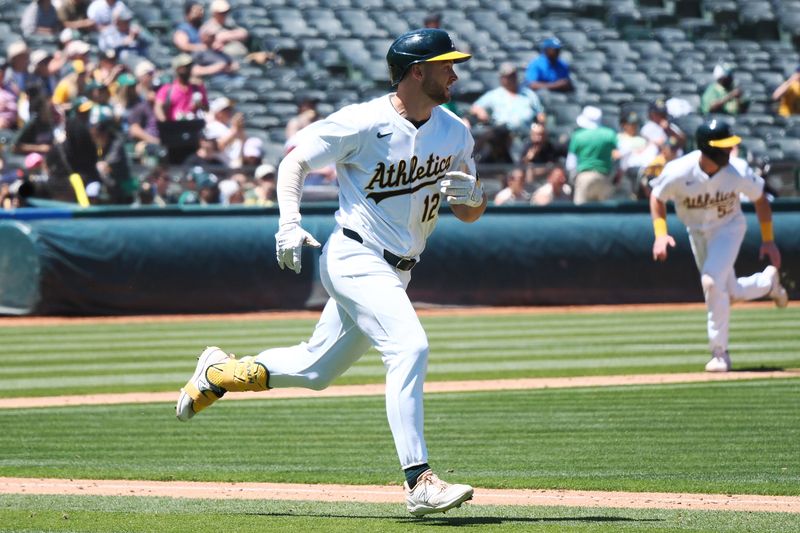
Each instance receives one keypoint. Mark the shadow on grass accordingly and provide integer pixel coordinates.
(759, 369)
(460, 521)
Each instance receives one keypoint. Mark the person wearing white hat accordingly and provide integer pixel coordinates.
(590, 157)
(227, 127)
(722, 96)
(252, 152)
(227, 35)
(40, 71)
(15, 77)
(77, 50)
(39, 18)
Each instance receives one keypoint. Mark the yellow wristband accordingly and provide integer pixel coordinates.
(660, 226)
(767, 235)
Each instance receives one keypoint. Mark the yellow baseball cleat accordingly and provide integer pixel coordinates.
(217, 373)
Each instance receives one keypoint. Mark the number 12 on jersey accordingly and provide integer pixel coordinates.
(431, 207)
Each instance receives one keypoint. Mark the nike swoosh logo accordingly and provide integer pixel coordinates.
(382, 135)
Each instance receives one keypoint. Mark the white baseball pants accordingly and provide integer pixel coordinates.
(368, 307)
(715, 252)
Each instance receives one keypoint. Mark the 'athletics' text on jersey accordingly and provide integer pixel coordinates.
(703, 202)
(388, 170)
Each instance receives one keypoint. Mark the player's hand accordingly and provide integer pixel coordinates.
(660, 247)
(462, 189)
(289, 242)
(770, 249)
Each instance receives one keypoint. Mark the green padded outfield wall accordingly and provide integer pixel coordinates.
(99, 262)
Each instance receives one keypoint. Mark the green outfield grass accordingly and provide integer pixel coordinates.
(737, 437)
(102, 515)
(724, 437)
(70, 359)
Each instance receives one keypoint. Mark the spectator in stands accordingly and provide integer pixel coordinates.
(40, 72)
(659, 127)
(590, 157)
(723, 96)
(102, 12)
(108, 69)
(181, 98)
(252, 152)
(187, 34)
(514, 191)
(200, 187)
(226, 126)
(509, 104)
(264, 194)
(540, 153)
(306, 114)
(207, 155)
(59, 61)
(75, 154)
(78, 50)
(634, 150)
(788, 95)
(432, 20)
(36, 134)
(8, 110)
(123, 37)
(493, 146)
(40, 18)
(124, 98)
(669, 150)
(141, 119)
(211, 62)
(16, 74)
(555, 191)
(164, 190)
(112, 164)
(99, 93)
(73, 15)
(70, 87)
(228, 37)
(145, 72)
(547, 70)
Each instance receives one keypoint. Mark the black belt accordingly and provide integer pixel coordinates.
(400, 263)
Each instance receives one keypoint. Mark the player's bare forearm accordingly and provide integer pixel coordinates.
(658, 209)
(465, 213)
(663, 241)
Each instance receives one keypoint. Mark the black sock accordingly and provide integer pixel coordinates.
(413, 472)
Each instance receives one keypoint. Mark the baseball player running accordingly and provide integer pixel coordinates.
(705, 189)
(397, 157)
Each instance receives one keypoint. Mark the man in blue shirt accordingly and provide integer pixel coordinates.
(547, 71)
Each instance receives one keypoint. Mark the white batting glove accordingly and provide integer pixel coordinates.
(289, 243)
(461, 188)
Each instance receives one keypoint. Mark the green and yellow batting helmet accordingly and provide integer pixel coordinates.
(420, 46)
(715, 138)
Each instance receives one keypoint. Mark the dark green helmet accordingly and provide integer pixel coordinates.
(714, 139)
(420, 46)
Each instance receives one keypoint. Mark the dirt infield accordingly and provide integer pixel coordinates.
(430, 388)
(394, 494)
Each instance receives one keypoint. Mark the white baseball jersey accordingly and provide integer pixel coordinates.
(702, 202)
(388, 170)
